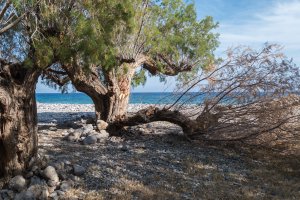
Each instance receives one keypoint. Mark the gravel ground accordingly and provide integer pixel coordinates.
(157, 162)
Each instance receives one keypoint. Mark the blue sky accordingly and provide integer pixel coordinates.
(243, 22)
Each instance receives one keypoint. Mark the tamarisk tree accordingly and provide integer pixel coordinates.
(250, 96)
(27, 49)
(164, 38)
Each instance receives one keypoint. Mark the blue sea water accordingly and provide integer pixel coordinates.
(135, 98)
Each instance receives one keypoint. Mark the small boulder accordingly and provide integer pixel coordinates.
(7, 194)
(66, 185)
(71, 130)
(50, 173)
(38, 190)
(78, 170)
(104, 134)
(101, 125)
(37, 181)
(89, 127)
(18, 183)
(91, 139)
(52, 128)
(27, 195)
(53, 195)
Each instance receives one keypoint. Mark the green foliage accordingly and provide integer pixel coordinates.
(82, 31)
(170, 29)
(139, 78)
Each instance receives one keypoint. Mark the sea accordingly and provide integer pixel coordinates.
(135, 98)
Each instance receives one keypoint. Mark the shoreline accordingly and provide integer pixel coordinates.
(60, 108)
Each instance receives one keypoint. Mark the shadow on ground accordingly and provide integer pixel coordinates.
(159, 163)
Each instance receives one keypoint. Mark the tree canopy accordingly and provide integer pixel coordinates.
(161, 37)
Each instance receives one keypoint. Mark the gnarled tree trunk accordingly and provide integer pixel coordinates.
(18, 114)
(117, 99)
(110, 99)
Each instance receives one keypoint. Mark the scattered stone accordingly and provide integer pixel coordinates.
(26, 195)
(18, 183)
(60, 193)
(65, 133)
(37, 181)
(7, 194)
(52, 183)
(29, 175)
(34, 168)
(91, 139)
(59, 165)
(71, 130)
(78, 170)
(62, 175)
(66, 185)
(39, 191)
(101, 125)
(74, 178)
(88, 127)
(52, 128)
(45, 194)
(51, 174)
(104, 134)
(54, 195)
(67, 162)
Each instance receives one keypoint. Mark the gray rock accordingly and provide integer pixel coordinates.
(74, 178)
(29, 175)
(65, 133)
(86, 129)
(27, 195)
(51, 189)
(38, 190)
(71, 130)
(78, 170)
(52, 183)
(59, 165)
(34, 168)
(104, 134)
(101, 125)
(67, 162)
(53, 195)
(37, 181)
(60, 193)
(91, 139)
(7, 194)
(66, 185)
(71, 138)
(45, 194)
(50, 173)
(76, 134)
(18, 183)
(52, 128)
(62, 175)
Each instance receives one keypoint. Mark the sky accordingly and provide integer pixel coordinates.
(242, 22)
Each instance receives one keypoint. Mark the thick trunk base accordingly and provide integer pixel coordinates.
(18, 124)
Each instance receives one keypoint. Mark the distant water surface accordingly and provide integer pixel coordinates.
(135, 98)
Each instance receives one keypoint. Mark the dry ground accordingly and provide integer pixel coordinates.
(158, 163)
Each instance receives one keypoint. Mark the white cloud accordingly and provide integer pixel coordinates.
(277, 23)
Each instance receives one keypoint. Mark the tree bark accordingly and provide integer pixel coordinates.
(18, 117)
(110, 99)
(118, 95)
(90, 84)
